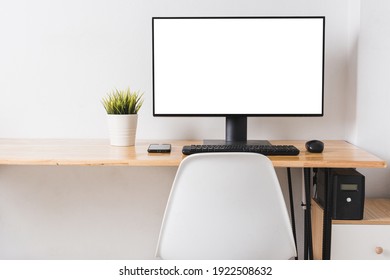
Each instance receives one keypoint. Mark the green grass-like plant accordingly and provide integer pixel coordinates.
(123, 102)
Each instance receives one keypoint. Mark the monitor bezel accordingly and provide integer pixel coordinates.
(243, 115)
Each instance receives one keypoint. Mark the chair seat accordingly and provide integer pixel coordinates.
(226, 206)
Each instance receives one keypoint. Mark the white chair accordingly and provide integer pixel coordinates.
(226, 206)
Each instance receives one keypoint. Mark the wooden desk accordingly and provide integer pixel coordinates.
(337, 154)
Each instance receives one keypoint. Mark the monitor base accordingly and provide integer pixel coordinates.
(246, 142)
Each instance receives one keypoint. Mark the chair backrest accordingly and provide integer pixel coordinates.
(226, 206)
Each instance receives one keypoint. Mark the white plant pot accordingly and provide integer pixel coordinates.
(122, 129)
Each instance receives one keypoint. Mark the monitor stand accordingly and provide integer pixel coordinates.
(224, 142)
(236, 133)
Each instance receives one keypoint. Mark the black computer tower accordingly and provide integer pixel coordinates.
(348, 192)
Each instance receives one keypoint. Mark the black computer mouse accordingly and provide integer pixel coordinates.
(314, 146)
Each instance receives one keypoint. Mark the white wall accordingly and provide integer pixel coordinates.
(58, 58)
(81, 213)
(373, 97)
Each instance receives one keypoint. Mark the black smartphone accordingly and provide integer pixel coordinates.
(159, 148)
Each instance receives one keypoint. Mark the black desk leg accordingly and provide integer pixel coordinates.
(327, 223)
(308, 245)
(291, 196)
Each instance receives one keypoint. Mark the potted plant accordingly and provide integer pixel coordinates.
(122, 107)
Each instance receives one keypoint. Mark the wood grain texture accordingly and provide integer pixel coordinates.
(96, 152)
(317, 217)
(376, 212)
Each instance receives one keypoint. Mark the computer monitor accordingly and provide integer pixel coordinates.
(238, 67)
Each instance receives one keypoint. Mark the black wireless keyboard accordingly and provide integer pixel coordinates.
(268, 150)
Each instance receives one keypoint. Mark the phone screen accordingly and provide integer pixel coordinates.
(159, 148)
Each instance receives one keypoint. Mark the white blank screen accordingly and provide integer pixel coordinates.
(245, 66)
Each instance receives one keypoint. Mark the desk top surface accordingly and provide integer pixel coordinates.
(98, 152)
